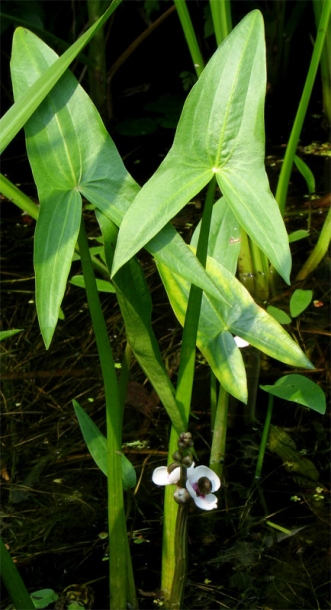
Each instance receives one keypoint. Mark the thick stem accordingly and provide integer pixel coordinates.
(178, 586)
(219, 431)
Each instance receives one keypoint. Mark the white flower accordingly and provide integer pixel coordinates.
(161, 476)
(200, 483)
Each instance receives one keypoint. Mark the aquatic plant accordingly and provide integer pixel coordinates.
(219, 142)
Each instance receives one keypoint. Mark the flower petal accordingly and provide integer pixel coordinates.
(240, 342)
(161, 476)
(206, 502)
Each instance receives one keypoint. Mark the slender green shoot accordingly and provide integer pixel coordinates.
(189, 33)
(264, 438)
(97, 72)
(325, 62)
(15, 195)
(284, 176)
(219, 431)
(221, 15)
(213, 399)
(120, 570)
(319, 250)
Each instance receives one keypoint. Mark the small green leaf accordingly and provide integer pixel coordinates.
(102, 285)
(97, 445)
(297, 235)
(306, 172)
(279, 315)
(299, 389)
(300, 300)
(43, 598)
(4, 334)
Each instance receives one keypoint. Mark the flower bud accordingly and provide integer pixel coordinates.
(181, 495)
(187, 461)
(185, 440)
(172, 467)
(177, 456)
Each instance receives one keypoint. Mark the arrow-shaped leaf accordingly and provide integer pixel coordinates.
(221, 131)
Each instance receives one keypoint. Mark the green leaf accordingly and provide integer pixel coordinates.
(279, 315)
(89, 165)
(4, 334)
(239, 315)
(299, 389)
(55, 239)
(306, 172)
(97, 445)
(214, 341)
(297, 235)
(299, 301)
(221, 131)
(102, 285)
(43, 598)
(21, 111)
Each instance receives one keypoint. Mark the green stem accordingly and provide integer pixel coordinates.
(178, 587)
(246, 271)
(219, 431)
(124, 375)
(325, 61)
(284, 177)
(189, 33)
(264, 438)
(183, 395)
(97, 70)
(15, 195)
(318, 252)
(118, 543)
(13, 581)
(221, 15)
(213, 399)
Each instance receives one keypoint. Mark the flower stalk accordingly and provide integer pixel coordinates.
(191, 482)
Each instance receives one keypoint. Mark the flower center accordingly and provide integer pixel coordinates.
(203, 486)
